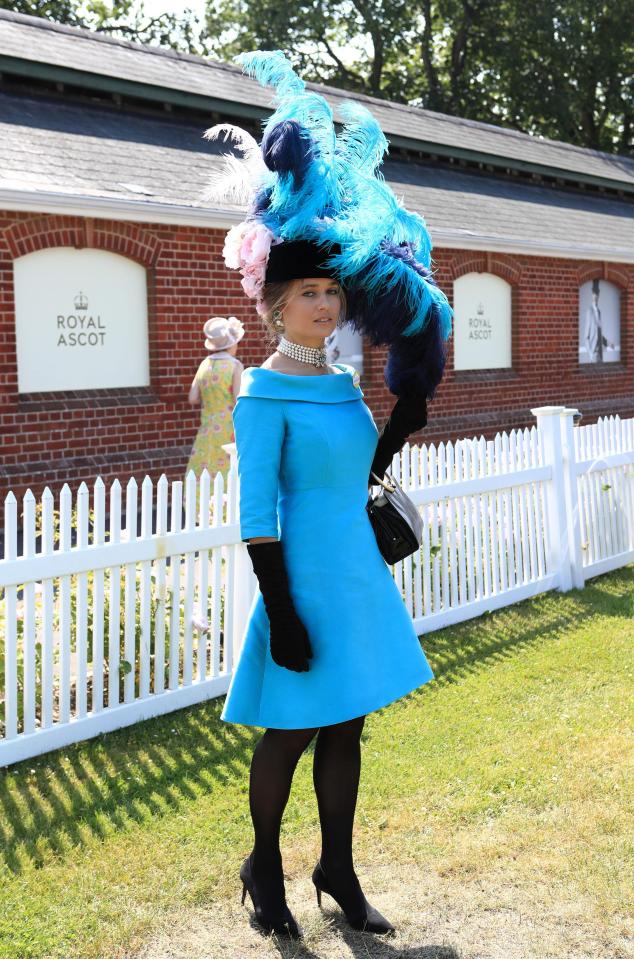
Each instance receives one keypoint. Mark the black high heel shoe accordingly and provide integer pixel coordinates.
(269, 905)
(367, 919)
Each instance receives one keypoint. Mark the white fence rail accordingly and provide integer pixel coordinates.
(603, 465)
(103, 627)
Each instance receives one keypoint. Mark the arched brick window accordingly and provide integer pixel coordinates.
(599, 322)
(482, 322)
(81, 320)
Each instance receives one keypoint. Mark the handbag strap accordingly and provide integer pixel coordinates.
(386, 486)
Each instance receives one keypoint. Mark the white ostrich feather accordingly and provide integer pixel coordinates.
(239, 178)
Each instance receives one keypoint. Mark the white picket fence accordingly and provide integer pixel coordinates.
(103, 629)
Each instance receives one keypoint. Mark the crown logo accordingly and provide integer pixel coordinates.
(81, 301)
(480, 310)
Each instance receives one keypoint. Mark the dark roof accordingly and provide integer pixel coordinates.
(45, 49)
(65, 149)
(538, 217)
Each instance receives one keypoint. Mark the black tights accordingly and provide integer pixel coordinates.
(336, 771)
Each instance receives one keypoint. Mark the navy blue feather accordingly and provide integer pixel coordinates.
(288, 148)
(416, 364)
(262, 201)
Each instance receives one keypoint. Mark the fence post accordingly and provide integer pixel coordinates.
(244, 581)
(571, 487)
(559, 535)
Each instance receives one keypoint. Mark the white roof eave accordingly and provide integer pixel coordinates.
(146, 211)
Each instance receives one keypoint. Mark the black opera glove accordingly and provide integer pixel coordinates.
(408, 415)
(290, 645)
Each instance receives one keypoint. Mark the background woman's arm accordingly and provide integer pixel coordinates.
(194, 393)
(237, 376)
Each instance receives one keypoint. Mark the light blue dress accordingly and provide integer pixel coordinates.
(305, 446)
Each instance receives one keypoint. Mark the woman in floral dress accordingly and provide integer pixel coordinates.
(215, 387)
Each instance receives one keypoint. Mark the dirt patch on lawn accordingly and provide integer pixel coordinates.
(436, 918)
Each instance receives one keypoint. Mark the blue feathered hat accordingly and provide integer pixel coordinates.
(307, 184)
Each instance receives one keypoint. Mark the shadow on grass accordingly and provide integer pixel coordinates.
(380, 947)
(362, 945)
(51, 803)
(457, 651)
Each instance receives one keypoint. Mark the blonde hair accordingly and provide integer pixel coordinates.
(275, 296)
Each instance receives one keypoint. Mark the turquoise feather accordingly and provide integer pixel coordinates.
(342, 198)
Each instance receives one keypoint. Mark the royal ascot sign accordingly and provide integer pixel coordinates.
(482, 322)
(80, 329)
(81, 321)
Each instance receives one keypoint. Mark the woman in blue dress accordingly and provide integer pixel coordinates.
(328, 638)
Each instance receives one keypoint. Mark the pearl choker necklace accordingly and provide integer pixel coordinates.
(315, 355)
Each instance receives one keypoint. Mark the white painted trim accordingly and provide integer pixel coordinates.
(147, 211)
(119, 208)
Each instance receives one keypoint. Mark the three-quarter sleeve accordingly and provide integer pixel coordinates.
(259, 426)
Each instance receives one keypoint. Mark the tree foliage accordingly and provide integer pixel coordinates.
(563, 69)
(558, 68)
(122, 18)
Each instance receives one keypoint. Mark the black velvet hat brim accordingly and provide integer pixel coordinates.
(299, 260)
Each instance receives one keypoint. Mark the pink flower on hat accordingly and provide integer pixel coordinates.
(256, 245)
(253, 281)
(233, 245)
(247, 247)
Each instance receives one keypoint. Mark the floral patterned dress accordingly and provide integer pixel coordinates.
(214, 379)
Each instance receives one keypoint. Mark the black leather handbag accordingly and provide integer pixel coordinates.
(397, 524)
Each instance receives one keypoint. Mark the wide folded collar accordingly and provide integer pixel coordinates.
(328, 388)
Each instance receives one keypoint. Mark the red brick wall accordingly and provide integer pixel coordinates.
(49, 439)
(545, 340)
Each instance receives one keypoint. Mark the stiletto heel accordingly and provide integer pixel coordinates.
(369, 920)
(274, 915)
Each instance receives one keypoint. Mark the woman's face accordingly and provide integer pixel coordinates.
(311, 311)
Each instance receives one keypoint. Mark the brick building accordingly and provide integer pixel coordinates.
(103, 168)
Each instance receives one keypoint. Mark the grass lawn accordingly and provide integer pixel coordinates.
(494, 815)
